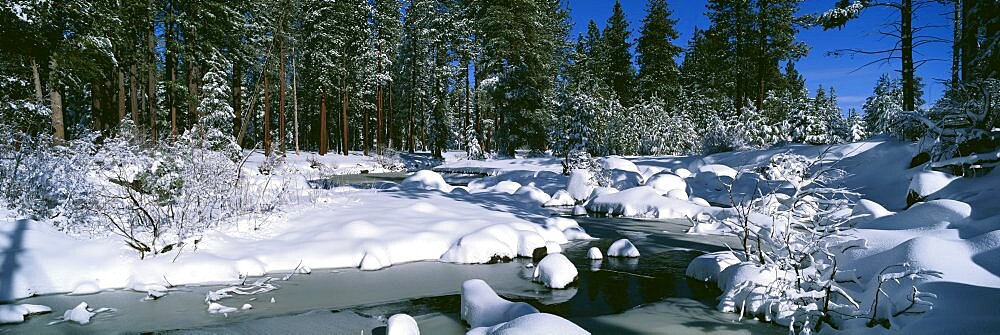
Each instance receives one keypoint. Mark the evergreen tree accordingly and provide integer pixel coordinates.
(856, 126)
(616, 52)
(656, 53)
(216, 112)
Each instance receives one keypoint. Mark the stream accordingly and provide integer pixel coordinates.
(647, 295)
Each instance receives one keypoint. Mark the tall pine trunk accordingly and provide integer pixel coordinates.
(133, 93)
(295, 101)
(37, 80)
(55, 98)
(121, 95)
(281, 99)
(267, 115)
(324, 141)
(171, 67)
(237, 98)
(906, 52)
(378, 121)
(151, 82)
(343, 117)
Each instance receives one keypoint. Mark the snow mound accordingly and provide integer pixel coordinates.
(376, 257)
(426, 180)
(736, 274)
(682, 172)
(718, 170)
(642, 201)
(16, 313)
(707, 267)
(401, 324)
(531, 324)
(594, 253)
(505, 186)
(81, 314)
(623, 248)
(579, 186)
(615, 163)
(927, 215)
(866, 210)
(663, 183)
(528, 242)
(624, 180)
(560, 198)
(561, 223)
(579, 210)
(926, 183)
(555, 271)
(528, 193)
(677, 194)
(482, 307)
(650, 171)
(217, 308)
(483, 246)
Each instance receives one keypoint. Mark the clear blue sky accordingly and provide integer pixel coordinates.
(818, 68)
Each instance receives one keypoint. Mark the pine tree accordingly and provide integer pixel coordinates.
(216, 113)
(616, 51)
(856, 126)
(658, 72)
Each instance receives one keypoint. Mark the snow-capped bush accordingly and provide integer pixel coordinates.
(787, 166)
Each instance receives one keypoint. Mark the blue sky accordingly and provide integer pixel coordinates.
(818, 68)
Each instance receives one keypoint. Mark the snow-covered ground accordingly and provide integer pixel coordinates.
(955, 231)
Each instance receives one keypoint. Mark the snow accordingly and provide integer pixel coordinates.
(663, 183)
(482, 307)
(530, 193)
(594, 253)
(555, 271)
(401, 324)
(925, 183)
(642, 201)
(560, 198)
(537, 323)
(17, 313)
(217, 308)
(623, 248)
(621, 164)
(707, 267)
(579, 186)
(81, 314)
(866, 210)
(718, 170)
(426, 180)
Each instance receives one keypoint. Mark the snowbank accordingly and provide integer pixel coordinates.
(560, 198)
(579, 186)
(16, 313)
(663, 183)
(621, 164)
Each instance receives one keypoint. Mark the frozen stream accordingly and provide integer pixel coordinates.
(350, 301)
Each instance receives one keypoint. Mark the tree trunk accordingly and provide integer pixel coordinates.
(906, 34)
(133, 93)
(388, 120)
(237, 98)
(378, 121)
(37, 79)
(55, 98)
(193, 75)
(323, 134)
(343, 116)
(364, 132)
(151, 84)
(171, 68)
(121, 94)
(281, 100)
(267, 115)
(295, 101)
(95, 105)
(956, 43)
(970, 43)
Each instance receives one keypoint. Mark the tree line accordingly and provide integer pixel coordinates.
(484, 76)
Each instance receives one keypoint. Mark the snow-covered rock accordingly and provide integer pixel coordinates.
(555, 271)
(532, 324)
(482, 307)
(708, 266)
(552, 248)
(16, 313)
(927, 215)
(623, 248)
(82, 313)
(740, 273)
(401, 324)
(682, 172)
(505, 186)
(579, 210)
(580, 186)
(560, 198)
(426, 180)
(650, 171)
(528, 242)
(594, 253)
(926, 183)
(699, 201)
(663, 183)
(616, 163)
(532, 194)
(624, 180)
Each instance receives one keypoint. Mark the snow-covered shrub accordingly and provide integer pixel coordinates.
(787, 166)
(389, 159)
(723, 137)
